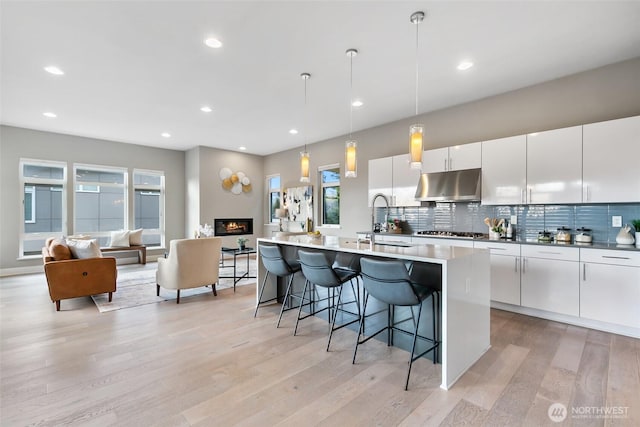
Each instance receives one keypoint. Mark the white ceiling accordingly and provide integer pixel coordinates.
(136, 69)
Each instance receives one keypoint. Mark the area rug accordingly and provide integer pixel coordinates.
(138, 287)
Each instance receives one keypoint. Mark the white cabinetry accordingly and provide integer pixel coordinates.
(465, 243)
(610, 161)
(393, 177)
(505, 271)
(610, 286)
(549, 279)
(554, 166)
(504, 165)
(458, 157)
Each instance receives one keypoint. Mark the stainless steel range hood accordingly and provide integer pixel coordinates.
(453, 186)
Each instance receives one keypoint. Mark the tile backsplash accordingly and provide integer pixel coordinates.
(531, 218)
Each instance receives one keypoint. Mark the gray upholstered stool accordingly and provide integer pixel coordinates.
(319, 273)
(275, 264)
(389, 282)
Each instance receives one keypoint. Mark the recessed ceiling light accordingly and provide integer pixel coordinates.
(54, 70)
(242, 148)
(206, 109)
(50, 114)
(357, 103)
(465, 65)
(213, 42)
(293, 131)
(165, 135)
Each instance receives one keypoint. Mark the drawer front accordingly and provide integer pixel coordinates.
(606, 256)
(497, 248)
(550, 252)
(443, 242)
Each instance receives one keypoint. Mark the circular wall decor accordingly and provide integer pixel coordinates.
(236, 183)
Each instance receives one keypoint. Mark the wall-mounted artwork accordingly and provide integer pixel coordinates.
(236, 182)
(299, 205)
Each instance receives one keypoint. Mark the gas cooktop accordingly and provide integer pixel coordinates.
(439, 233)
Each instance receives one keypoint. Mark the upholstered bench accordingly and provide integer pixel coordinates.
(142, 251)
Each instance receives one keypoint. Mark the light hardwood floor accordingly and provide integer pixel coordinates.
(208, 362)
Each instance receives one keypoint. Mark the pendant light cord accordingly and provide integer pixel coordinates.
(417, 24)
(305, 113)
(351, 97)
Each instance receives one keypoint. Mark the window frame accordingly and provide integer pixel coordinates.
(322, 185)
(161, 203)
(32, 190)
(23, 181)
(270, 192)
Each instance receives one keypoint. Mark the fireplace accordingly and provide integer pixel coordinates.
(233, 226)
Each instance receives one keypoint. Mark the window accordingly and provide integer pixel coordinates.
(275, 193)
(330, 195)
(100, 201)
(42, 185)
(148, 204)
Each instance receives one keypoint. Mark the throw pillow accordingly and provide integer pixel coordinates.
(59, 250)
(135, 237)
(82, 249)
(119, 239)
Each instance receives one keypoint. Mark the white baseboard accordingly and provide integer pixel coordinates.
(15, 271)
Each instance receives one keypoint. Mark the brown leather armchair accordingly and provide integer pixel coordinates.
(72, 278)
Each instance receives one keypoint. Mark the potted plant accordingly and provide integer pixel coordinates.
(241, 242)
(636, 225)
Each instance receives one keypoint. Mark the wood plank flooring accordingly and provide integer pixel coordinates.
(208, 362)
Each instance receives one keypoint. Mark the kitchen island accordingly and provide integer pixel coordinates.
(465, 280)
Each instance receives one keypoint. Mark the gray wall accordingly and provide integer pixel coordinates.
(16, 143)
(207, 200)
(605, 93)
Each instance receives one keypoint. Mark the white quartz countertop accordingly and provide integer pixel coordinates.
(414, 252)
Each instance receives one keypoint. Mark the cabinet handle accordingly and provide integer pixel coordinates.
(550, 252)
(522, 196)
(584, 272)
(516, 262)
(497, 249)
(524, 265)
(587, 191)
(615, 257)
(529, 194)
(445, 164)
(450, 163)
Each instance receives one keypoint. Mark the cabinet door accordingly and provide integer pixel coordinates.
(610, 161)
(466, 156)
(436, 160)
(380, 179)
(505, 279)
(504, 165)
(405, 182)
(551, 285)
(554, 166)
(610, 293)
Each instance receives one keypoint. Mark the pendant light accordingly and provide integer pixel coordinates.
(350, 148)
(416, 131)
(304, 155)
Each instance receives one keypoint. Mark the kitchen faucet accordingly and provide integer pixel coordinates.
(373, 214)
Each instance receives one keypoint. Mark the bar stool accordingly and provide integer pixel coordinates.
(275, 264)
(389, 282)
(319, 273)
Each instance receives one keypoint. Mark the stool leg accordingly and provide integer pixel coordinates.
(304, 292)
(264, 281)
(361, 329)
(335, 314)
(284, 301)
(413, 347)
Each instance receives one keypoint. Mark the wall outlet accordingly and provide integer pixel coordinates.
(616, 221)
(514, 219)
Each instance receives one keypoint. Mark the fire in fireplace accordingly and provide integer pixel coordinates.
(233, 226)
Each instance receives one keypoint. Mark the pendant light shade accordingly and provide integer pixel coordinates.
(304, 155)
(304, 166)
(351, 146)
(416, 131)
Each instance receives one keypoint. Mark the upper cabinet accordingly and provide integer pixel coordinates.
(458, 157)
(610, 161)
(504, 166)
(393, 177)
(554, 166)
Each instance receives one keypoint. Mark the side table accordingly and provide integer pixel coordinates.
(237, 276)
